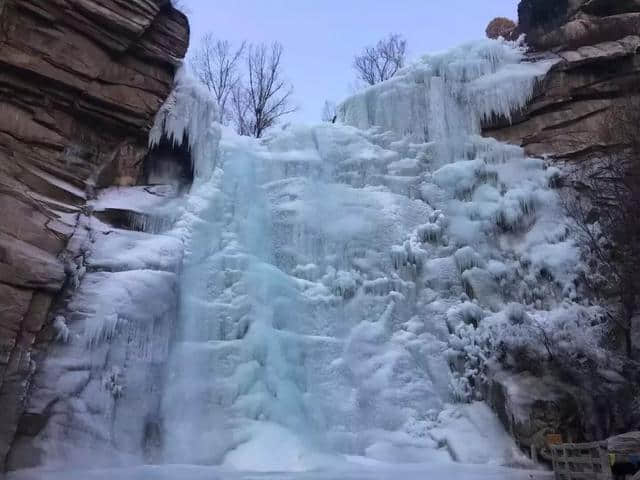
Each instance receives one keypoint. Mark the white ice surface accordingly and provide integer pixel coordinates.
(355, 469)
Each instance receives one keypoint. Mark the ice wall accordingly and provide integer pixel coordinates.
(190, 115)
(448, 94)
(328, 266)
(96, 395)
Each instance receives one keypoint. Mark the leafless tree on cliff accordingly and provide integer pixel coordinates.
(216, 64)
(380, 63)
(266, 96)
(606, 214)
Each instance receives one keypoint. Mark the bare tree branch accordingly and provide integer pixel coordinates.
(380, 63)
(215, 63)
(267, 94)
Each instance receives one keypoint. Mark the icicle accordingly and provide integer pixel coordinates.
(445, 94)
(190, 114)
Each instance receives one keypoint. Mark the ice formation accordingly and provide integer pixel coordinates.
(327, 267)
(189, 115)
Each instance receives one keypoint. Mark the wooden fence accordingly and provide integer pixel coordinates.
(581, 461)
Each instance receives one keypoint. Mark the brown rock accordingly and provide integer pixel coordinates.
(565, 118)
(570, 24)
(80, 83)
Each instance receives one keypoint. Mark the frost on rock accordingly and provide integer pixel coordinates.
(98, 388)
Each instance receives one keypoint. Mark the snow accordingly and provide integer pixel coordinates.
(467, 431)
(116, 249)
(99, 385)
(146, 199)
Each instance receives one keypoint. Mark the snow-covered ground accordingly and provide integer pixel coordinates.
(327, 268)
(355, 469)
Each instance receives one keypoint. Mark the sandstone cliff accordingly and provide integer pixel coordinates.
(80, 83)
(597, 47)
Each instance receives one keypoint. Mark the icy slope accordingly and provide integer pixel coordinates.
(328, 266)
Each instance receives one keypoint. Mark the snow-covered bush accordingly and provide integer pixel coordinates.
(604, 214)
(469, 353)
(569, 340)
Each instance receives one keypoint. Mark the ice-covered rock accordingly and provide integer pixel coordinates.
(96, 394)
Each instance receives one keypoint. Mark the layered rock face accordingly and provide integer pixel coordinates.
(597, 45)
(80, 83)
(597, 76)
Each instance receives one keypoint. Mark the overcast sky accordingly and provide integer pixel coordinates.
(320, 37)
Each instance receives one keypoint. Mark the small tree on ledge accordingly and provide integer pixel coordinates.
(380, 63)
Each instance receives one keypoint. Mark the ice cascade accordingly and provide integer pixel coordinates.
(327, 267)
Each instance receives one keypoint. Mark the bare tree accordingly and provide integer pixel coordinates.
(241, 110)
(605, 213)
(267, 94)
(216, 63)
(380, 63)
(329, 112)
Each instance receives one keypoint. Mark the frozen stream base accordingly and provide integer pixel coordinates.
(351, 469)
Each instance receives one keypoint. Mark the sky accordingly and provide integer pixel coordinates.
(321, 37)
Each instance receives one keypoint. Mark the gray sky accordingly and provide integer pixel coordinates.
(320, 37)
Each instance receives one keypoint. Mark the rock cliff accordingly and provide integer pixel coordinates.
(598, 52)
(597, 75)
(80, 83)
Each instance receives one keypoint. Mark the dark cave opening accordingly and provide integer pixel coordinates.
(169, 163)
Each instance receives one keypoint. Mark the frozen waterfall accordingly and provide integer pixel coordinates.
(324, 263)
(327, 267)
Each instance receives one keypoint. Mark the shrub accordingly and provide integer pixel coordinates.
(501, 27)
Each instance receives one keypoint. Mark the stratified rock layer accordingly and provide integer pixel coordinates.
(598, 48)
(80, 83)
